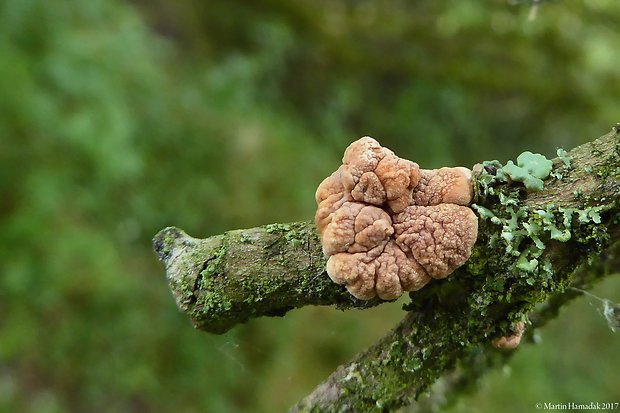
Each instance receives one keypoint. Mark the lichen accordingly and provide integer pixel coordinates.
(531, 169)
(564, 157)
(523, 234)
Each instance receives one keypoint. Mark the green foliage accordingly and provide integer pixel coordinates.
(227, 114)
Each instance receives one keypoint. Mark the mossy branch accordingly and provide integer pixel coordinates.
(224, 280)
(528, 247)
(478, 360)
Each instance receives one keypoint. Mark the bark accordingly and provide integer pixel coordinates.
(477, 361)
(225, 280)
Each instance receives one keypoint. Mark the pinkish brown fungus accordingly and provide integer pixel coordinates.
(512, 341)
(444, 186)
(387, 226)
(374, 175)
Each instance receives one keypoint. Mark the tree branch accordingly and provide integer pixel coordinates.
(227, 279)
(478, 360)
(224, 280)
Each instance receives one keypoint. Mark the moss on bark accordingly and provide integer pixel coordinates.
(224, 280)
(528, 247)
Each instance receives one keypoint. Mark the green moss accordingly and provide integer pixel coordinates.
(168, 241)
(289, 235)
(608, 169)
(390, 371)
(477, 263)
(273, 228)
(212, 305)
(214, 265)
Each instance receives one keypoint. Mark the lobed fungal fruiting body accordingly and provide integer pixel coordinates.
(388, 226)
(512, 341)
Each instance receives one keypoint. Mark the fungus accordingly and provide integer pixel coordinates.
(439, 237)
(445, 185)
(388, 226)
(374, 175)
(512, 341)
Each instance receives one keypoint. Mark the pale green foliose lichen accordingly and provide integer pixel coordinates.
(525, 232)
(551, 223)
(564, 157)
(525, 265)
(531, 169)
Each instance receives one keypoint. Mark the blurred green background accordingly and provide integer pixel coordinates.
(119, 118)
